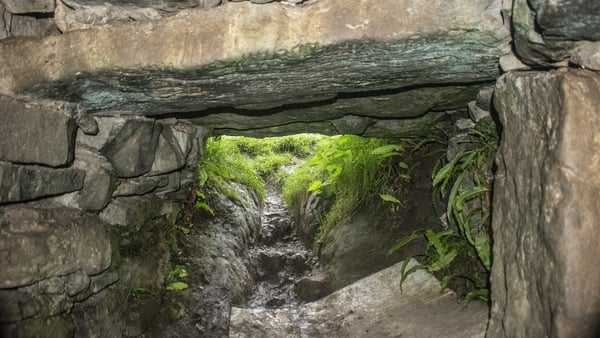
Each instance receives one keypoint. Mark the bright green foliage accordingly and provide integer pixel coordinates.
(467, 234)
(295, 191)
(248, 161)
(351, 171)
(177, 286)
(201, 202)
(222, 164)
(173, 278)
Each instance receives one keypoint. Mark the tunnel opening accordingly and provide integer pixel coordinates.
(331, 210)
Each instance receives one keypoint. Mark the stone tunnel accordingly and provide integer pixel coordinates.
(104, 107)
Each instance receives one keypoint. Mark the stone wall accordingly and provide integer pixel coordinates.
(83, 203)
(545, 225)
(81, 196)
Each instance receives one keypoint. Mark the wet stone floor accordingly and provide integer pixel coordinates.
(282, 266)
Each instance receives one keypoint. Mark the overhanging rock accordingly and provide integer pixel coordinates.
(254, 58)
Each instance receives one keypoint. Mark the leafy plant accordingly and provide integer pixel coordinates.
(184, 229)
(177, 286)
(201, 202)
(349, 170)
(145, 290)
(173, 278)
(464, 183)
(248, 161)
(222, 164)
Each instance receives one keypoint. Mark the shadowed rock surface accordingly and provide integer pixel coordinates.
(355, 311)
(559, 183)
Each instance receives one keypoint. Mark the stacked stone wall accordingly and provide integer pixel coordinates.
(82, 201)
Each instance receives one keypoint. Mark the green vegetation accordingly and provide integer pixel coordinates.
(249, 161)
(349, 170)
(464, 184)
(353, 173)
(174, 276)
(222, 164)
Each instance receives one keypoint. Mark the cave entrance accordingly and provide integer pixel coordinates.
(330, 210)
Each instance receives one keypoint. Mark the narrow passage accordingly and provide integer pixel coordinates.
(280, 261)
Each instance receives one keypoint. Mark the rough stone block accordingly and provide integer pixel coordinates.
(174, 184)
(484, 98)
(572, 19)
(86, 17)
(59, 326)
(76, 282)
(16, 305)
(38, 242)
(3, 28)
(25, 25)
(28, 6)
(34, 132)
(99, 182)
(140, 185)
(311, 288)
(131, 148)
(477, 114)
(147, 72)
(132, 213)
(197, 147)
(108, 126)
(170, 155)
(587, 55)
(23, 183)
(547, 31)
(545, 273)
(97, 284)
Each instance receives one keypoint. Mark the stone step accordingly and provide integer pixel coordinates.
(371, 307)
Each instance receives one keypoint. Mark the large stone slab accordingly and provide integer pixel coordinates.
(546, 31)
(371, 307)
(268, 56)
(27, 182)
(36, 132)
(545, 274)
(407, 103)
(38, 242)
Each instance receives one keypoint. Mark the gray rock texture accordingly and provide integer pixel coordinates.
(215, 252)
(545, 31)
(30, 6)
(587, 55)
(545, 277)
(43, 242)
(355, 311)
(36, 132)
(27, 182)
(171, 151)
(99, 182)
(131, 149)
